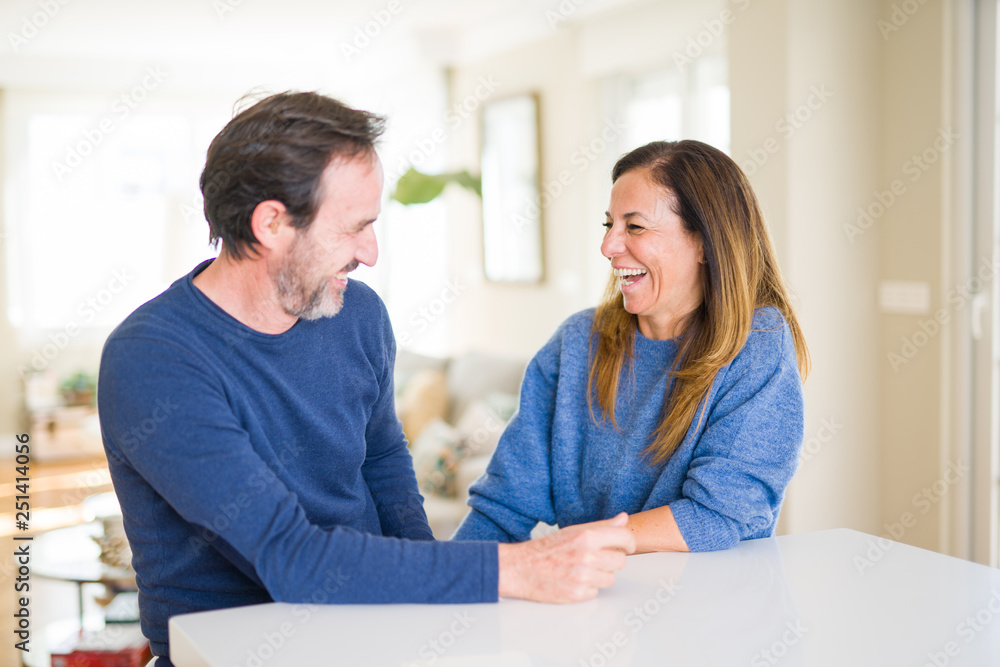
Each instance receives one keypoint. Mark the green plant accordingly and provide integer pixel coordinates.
(415, 187)
(79, 388)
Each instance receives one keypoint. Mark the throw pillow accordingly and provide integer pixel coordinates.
(436, 457)
(424, 399)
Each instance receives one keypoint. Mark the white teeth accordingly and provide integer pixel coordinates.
(621, 273)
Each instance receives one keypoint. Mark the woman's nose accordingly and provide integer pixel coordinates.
(612, 244)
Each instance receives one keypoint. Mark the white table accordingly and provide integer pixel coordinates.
(836, 597)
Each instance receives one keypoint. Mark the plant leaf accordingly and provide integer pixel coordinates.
(415, 187)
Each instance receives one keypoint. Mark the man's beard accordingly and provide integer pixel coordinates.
(301, 294)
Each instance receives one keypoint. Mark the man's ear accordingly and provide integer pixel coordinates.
(269, 223)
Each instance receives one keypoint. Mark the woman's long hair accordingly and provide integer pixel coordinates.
(714, 200)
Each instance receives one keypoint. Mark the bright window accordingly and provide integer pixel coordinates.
(102, 219)
(672, 104)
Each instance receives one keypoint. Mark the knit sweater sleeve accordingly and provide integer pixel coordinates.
(388, 467)
(749, 449)
(198, 458)
(514, 494)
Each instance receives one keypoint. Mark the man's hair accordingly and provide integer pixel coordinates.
(278, 149)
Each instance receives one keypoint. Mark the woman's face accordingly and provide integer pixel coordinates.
(657, 262)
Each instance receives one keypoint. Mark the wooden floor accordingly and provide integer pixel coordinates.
(57, 492)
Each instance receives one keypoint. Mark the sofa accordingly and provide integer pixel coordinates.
(453, 411)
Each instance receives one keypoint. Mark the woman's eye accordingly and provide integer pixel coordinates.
(634, 228)
(606, 225)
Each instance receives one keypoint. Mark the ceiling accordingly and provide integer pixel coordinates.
(102, 44)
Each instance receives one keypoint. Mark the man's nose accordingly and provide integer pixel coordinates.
(367, 252)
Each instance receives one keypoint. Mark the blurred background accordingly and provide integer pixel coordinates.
(867, 128)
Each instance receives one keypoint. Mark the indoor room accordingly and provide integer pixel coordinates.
(866, 128)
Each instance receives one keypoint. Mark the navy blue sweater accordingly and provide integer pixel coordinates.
(253, 467)
(724, 483)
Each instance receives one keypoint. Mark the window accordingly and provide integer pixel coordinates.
(674, 104)
(982, 363)
(104, 214)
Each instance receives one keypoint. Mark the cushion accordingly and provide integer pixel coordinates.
(480, 426)
(424, 399)
(436, 456)
(477, 375)
(471, 469)
(409, 364)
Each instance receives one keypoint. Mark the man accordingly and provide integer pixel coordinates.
(248, 412)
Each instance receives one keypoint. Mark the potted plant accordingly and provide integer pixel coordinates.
(79, 389)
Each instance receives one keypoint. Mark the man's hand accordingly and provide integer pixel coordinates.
(567, 566)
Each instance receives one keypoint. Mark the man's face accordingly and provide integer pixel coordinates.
(311, 278)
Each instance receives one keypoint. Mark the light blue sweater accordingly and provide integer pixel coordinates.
(724, 483)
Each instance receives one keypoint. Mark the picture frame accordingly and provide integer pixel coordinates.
(510, 164)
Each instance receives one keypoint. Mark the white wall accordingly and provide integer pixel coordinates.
(862, 102)
(832, 52)
(572, 72)
(518, 319)
(915, 238)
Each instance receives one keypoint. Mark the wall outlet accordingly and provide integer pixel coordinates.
(904, 297)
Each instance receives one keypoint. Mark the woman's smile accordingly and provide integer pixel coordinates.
(628, 277)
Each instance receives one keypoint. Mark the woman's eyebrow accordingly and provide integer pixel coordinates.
(630, 214)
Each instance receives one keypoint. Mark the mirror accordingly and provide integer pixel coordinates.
(512, 222)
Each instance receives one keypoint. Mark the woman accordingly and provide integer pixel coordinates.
(679, 399)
